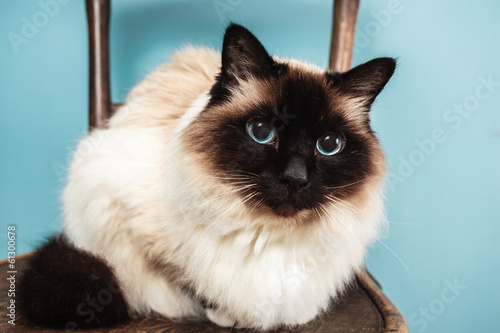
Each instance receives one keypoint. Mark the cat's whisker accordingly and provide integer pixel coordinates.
(227, 210)
(338, 222)
(335, 202)
(244, 174)
(217, 186)
(320, 215)
(206, 201)
(202, 189)
(390, 250)
(210, 199)
(316, 212)
(325, 212)
(251, 174)
(235, 205)
(343, 186)
(245, 186)
(352, 207)
(404, 223)
(256, 204)
(231, 178)
(342, 203)
(398, 257)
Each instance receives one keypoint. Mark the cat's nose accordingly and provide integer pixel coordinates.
(295, 173)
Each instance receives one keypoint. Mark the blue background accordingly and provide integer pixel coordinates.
(444, 209)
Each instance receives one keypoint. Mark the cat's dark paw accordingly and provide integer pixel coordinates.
(64, 287)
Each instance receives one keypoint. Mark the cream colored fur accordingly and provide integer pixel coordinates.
(136, 199)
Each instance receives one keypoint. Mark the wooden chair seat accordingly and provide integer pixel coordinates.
(364, 308)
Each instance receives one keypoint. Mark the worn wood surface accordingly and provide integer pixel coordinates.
(364, 308)
(393, 320)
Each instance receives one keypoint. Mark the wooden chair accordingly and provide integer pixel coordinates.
(364, 308)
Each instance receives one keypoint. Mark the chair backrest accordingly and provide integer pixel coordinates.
(345, 13)
(98, 14)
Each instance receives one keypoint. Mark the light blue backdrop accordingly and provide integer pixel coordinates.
(438, 119)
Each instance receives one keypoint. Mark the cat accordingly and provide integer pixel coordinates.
(236, 187)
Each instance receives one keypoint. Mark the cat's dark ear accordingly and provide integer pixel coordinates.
(243, 56)
(366, 81)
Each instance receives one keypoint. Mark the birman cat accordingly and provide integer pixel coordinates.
(236, 187)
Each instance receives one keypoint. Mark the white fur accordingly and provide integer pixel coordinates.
(137, 200)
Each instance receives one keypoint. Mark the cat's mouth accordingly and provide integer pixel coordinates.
(286, 210)
(284, 200)
(291, 205)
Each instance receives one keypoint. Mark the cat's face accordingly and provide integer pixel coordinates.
(285, 135)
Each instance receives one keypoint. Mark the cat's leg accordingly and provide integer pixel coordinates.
(151, 290)
(157, 296)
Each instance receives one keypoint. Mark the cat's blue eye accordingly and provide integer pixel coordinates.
(261, 131)
(330, 143)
